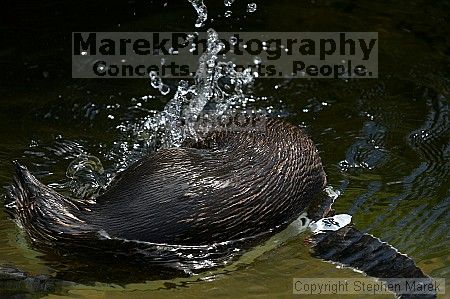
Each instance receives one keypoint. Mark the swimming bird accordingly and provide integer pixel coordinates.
(230, 185)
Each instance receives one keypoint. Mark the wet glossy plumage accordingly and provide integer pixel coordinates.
(229, 186)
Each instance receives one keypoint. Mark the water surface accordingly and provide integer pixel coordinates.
(384, 142)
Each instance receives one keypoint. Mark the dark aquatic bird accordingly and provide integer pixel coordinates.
(228, 186)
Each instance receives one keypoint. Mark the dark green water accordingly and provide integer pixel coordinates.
(384, 142)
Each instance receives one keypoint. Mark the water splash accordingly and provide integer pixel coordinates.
(251, 7)
(228, 2)
(85, 173)
(202, 12)
(217, 90)
(157, 83)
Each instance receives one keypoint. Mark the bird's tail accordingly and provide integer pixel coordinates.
(44, 214)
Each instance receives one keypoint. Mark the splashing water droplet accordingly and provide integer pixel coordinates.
(228, 2)
(155, 80)
(164, 89)
(183, 87)
(228, 13)
(218, 90)
(202, 12)
(251, 7)
(86, 174)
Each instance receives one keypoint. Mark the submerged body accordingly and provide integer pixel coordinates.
(188, 208)
(229, 186)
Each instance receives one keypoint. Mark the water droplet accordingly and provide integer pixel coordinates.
(251, 7)
(211, 62)
(201, 10)
(164, 89)
(228, 2)
(155, 80)
(228, 13)
(85, 171)
(233, 40)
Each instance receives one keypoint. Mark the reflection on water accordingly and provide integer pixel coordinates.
(384, 144)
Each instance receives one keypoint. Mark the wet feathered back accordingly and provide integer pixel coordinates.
(231, 185)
